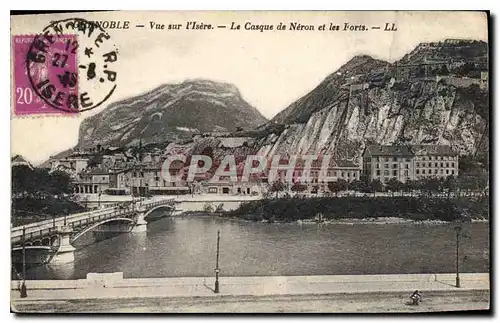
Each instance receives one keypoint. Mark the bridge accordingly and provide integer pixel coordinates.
(57, 235)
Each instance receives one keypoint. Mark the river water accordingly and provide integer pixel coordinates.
(186, 246)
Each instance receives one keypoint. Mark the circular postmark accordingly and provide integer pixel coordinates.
(71, 65)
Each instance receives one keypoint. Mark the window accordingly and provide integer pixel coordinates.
(394, 159)
(418, 171)
(335, 173)
(429, 165)
(142, 174)
(407, 166)
(134, 174)
(386, 172)
(442, 164)
(386, 165)
(343, 175)
(348, 174)
(418, 164)
(447, 172)
(452, 164)
(378, 165)
(435, 171)
(406, 173)
(447, 164)
(442, 171)
(394, 166)
(435, 164)
(394, 173)
(378, 172)
(452, 172)
(423, 171)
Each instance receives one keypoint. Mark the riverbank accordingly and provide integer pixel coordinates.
(110, 287)
(113, 285)
(363, 209)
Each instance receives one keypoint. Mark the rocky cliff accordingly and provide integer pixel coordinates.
(170, 112)
(416, 100)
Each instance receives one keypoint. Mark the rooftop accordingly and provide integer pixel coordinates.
(408, 150)
(441, 150)
(388, 150)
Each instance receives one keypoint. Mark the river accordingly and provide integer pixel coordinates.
(186, 246)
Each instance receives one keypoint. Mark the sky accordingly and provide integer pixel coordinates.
(271, 69)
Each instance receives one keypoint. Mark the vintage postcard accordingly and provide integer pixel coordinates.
(250, 162)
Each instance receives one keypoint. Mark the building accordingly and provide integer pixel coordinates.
(434, 161)
(95, 181)
(19, 160)
(319, 176)
(146, 178)
(408, 162)
(74, 163)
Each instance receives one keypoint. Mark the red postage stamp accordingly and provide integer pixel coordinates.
(40, 78)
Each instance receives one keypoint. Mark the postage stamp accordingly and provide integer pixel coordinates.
(53, 76)
(55, 65)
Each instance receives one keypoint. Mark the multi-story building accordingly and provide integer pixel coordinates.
(408, 162)
(319, 175)
(434, 161)
(94, 181)
(75, 163)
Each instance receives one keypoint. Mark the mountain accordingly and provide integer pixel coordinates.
(433, 95)
(170, 112)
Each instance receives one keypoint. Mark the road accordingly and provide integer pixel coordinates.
(373, 302)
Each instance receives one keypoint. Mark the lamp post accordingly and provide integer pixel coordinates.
(458, 229)
(24, 293)
(217, 270)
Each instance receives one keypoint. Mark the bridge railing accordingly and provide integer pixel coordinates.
(34, 234)
(48, 227)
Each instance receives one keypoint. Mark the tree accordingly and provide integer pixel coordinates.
(394, 185)
(376, 186)
(431, 185)
(357, 185)
(208, 207)
(409, 186)
(450, 184)
(337, 186)
(276, 187)
(298, 187)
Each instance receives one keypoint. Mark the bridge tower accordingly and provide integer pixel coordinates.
(66, 252)
(140, 224)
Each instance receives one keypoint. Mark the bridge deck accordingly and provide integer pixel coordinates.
(50, 227)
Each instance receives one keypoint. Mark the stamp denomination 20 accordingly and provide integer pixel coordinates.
(70, 65)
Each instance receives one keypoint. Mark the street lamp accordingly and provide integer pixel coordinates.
(458, 230)
(217, 270)
(24, 293)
